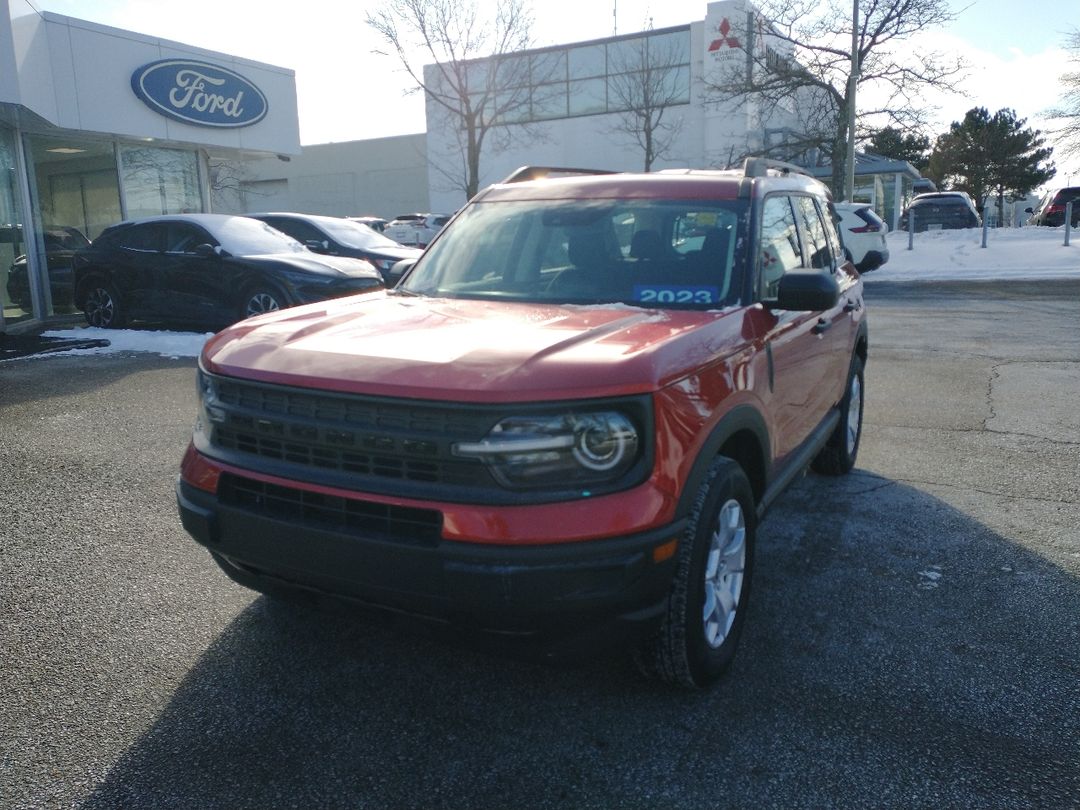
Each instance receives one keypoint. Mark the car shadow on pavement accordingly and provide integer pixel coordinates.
(898, 653)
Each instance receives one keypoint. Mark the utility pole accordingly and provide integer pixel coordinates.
(615, 18)
(853, 80)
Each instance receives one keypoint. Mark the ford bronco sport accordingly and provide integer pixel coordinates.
(569, 415)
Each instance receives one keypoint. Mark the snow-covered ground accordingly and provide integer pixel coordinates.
(167, 344)
(1011, 253)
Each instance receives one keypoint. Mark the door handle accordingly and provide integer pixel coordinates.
(851, 306)
(821, 326)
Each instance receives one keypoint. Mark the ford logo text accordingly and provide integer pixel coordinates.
(199, 93)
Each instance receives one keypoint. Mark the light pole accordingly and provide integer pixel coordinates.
(853, 80)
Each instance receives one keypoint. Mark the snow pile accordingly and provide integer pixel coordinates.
(168, 344)
(1010, 253)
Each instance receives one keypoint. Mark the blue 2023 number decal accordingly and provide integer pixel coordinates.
(675, 294)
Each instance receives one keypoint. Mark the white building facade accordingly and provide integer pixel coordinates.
(578, 107)
(98, 125)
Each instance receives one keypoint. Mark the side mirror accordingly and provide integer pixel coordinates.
(1028, 211)
(802, 291)
(397, 270)
(206, 251)
(317, 245)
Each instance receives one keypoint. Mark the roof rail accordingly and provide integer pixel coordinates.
(759, 167)
(526, 173)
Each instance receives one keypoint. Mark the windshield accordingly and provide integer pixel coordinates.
(353, 234)
(243, 236)
(656, 253)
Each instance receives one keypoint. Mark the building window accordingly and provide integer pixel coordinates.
(576, 81)
(159, 181)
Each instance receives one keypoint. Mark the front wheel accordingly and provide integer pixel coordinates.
(102, 306)
(707, 604)
(259, 300)
(838, 455)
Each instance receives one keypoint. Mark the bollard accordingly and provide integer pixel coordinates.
(986, 226)
(1068, 222)
(910, 229)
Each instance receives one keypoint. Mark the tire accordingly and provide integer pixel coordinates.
(102, 307)
(259, 300)
(838, 455)
(706, 607)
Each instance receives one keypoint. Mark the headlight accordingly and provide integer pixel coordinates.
(561, 450)
(210, 411)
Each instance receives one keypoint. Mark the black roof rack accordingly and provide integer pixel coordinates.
(526, 173)
(759, 167)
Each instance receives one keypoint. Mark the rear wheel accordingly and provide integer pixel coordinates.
(707, 604)
(837, 457)
(102, 306)
(259, 300)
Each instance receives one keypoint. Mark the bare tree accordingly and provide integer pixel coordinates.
(799, 59)
(649, 76)
(1068, 113)
(476, 76)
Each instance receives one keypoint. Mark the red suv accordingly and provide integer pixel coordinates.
(567, 418)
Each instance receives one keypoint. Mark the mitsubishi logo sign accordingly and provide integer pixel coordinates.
(725, 40)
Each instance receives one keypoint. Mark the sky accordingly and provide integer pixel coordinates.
(347, 91)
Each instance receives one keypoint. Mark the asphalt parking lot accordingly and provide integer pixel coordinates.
(913, 637)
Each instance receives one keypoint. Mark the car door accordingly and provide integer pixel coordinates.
(834, 326)
(799, 351)
(194, 287)
(136, 267)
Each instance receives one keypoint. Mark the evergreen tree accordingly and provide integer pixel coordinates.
(893, 143)
(988, 155)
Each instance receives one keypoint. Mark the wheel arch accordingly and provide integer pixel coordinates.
(742, 436)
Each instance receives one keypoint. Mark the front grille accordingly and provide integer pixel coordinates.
(365, 519)
(363, 437)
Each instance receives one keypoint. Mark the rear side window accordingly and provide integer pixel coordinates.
(818, 251)
(148, 237)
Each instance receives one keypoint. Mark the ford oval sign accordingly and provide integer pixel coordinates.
(199, 93)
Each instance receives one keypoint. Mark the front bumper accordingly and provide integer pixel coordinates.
(517, 589)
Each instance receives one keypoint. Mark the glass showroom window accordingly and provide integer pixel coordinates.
(159, 181)
(14, 284)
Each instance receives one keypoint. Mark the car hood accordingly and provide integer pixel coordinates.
(399, 252)
(317, 263)
(472, 351)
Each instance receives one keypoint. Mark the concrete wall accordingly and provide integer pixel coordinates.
(382, 176)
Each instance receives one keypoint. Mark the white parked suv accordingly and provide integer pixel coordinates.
(863, 232)
(415, 229)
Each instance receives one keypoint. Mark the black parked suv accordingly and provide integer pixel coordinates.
(1051, 208)
(336, 236)
(210, 269)
(942, 210)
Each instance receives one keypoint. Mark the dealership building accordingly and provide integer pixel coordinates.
(573, 105)
(99, 124)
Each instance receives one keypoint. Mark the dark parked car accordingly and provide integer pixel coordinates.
(205, 268)
(942, 210)
(60, 245)
(1051, 208)
(336, 236)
